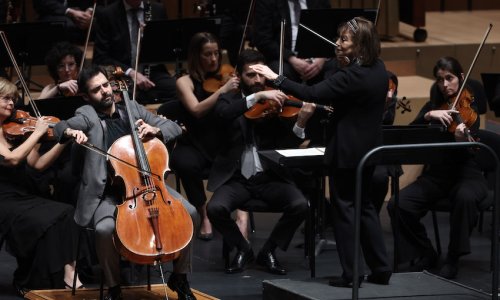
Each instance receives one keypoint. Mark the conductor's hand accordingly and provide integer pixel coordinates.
(143, 82)
(264, 71)
(146, 130)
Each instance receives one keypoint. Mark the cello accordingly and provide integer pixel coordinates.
(151, 225)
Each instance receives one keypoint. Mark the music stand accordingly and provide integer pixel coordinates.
(29, 43)
(325, 22)
(175, 36)
(491, 82)
(61, 107)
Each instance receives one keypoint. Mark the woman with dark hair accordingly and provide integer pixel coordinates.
(358, 93)
(194, 153)
(62, 61)
(40, 233)
(462, 185)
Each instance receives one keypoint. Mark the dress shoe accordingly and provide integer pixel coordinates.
(380, 277)
(269, 260)
(114, 293)
(241, 258)
(449, 270)
(340, 281)
(205, 236)
(425, 262)
(179, 284)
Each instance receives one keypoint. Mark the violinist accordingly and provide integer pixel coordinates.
(463, 184)
(194, 153)
(358, 94)
(103, 122)
(238, 175)
(115, 43)
(39, 232)
(62, 62)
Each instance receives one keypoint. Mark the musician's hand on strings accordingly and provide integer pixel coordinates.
(305, 112)
(272, 95)
(441, 115)
(77, 135)
(265, 71)
(232, 84)
(146, 130)
(143, 82)
(462, 133)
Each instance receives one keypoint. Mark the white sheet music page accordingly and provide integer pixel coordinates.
(302, 152)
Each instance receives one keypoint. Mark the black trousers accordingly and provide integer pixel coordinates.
(342, 185)
(462, 195)
(277, 193)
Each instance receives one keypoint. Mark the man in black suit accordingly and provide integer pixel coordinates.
(238, 175)
(267, 31)
(75, 15)
(115, 44)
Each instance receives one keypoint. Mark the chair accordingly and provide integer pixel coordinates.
(492, 140)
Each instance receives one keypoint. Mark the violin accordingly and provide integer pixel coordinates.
(22, 124)
(466, 115)
(290, 109)
(402, 103)
(216, 81)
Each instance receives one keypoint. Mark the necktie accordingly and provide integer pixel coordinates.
(248, 163)
(134, 29)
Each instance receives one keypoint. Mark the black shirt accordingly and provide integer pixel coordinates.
(116, 125)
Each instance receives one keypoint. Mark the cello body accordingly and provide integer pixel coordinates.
(151, 225)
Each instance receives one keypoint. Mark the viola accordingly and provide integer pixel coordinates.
(22, 125)
(290, 109)
(216, 81)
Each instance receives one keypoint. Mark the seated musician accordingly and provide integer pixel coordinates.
(115, 44)
(194, 153)
(39, 232)
(462, 185)
(238, 175)
(103, 122)
(63, 61)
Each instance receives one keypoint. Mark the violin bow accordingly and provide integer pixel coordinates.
(19, 74)
(250, 11)
(472, 65)
(88, 37)
(318, 35)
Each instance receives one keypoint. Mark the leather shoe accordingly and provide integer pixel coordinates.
(114, 293)
(205, 236)
(178, 283)
(269, 260)
(241, 258)
(449, 270)
(425, 262)
(340, 281)
(380, 277)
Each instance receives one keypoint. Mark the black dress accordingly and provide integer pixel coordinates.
(40, 233)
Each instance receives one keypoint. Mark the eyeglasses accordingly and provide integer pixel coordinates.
(62, 67)
(8, 98)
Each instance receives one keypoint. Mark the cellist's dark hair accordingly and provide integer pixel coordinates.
(85, 75)
(248, 56)
(196, 44)
(57, 53)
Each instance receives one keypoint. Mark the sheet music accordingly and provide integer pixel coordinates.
(302, 152)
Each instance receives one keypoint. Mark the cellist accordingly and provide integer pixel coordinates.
(463, 185)
(103, 122)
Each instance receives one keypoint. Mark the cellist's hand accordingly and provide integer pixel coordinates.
(146, 130)
(442, 115)
(143, 82)
(77, 135)
(265, 71)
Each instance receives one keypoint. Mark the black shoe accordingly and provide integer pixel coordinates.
(449, 269)
(380, 277)
(340, 281)
(178, 283)
(114, 293)
(241, 258)
(425, 262)
(269, 260)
